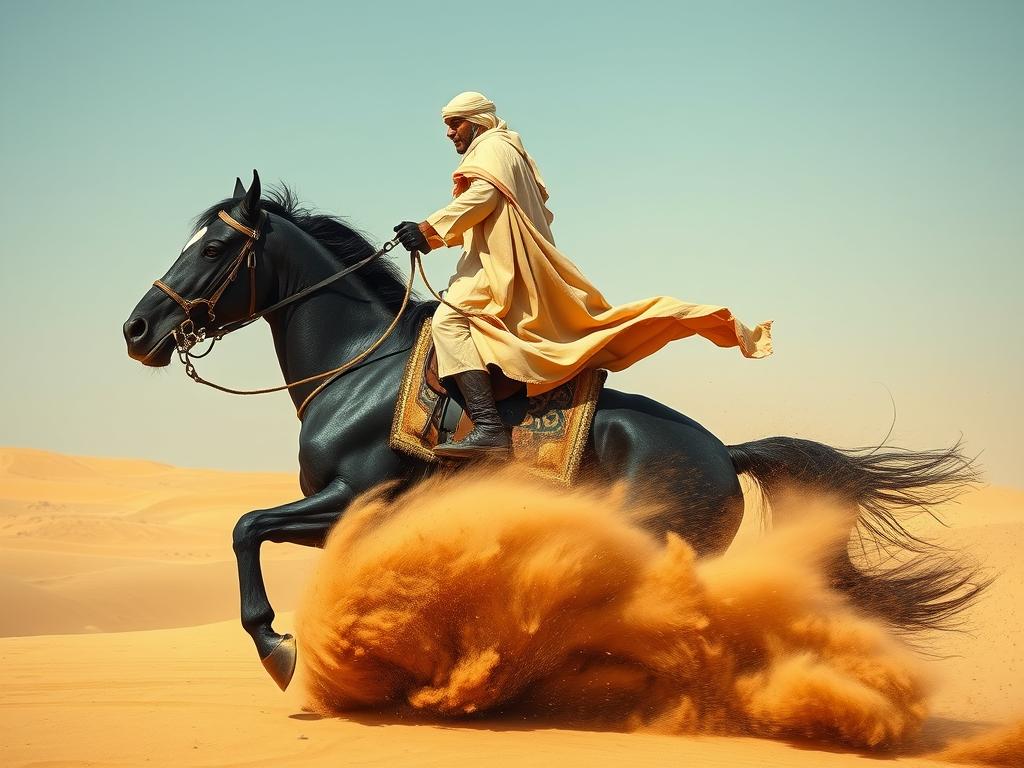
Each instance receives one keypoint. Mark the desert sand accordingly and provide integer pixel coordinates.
(121, 646)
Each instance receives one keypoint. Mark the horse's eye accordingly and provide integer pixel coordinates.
(211, 252)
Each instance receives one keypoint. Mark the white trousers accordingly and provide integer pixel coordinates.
(455, 349)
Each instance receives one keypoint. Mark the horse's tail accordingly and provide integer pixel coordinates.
(922, 586)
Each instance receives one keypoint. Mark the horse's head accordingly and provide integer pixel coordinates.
(212, 283)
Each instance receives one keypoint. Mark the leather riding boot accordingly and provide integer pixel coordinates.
(489, 436)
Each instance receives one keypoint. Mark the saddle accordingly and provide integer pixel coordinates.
(549, 431)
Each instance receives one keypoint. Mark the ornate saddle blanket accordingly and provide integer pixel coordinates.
(549, 432)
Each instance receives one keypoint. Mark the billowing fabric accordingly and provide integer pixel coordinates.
(532, 313)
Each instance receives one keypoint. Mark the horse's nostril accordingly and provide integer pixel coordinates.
(135, 328)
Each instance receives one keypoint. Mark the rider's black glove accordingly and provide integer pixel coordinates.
(411, 237)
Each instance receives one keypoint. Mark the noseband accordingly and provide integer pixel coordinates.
(186, 335)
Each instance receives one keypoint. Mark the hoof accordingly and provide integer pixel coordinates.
(280, 662)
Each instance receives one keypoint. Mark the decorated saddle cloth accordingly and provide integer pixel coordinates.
(549, 431)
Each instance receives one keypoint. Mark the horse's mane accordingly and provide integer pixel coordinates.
(345, 243)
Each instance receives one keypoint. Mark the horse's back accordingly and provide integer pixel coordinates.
(668, 455)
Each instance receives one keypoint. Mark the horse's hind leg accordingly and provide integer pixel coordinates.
(672, 458)
(305, 522)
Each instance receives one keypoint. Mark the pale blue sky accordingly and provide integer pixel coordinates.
(854, 171)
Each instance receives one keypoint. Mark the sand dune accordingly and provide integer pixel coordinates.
(102, 545)
(91, 548)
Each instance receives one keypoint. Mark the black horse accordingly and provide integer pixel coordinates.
(343, 441)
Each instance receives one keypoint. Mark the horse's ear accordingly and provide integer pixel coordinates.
(250, 208)
(239, 188)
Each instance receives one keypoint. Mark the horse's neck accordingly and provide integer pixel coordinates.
(328, 327)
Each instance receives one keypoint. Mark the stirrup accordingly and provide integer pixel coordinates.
(452, 451)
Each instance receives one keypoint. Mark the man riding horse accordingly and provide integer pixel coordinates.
(516, 304)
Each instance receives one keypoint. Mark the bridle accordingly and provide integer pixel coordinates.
(186, 335)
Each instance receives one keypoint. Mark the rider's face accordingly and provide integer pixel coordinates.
(461, 132)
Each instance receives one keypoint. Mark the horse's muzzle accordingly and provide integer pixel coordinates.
(143, 347)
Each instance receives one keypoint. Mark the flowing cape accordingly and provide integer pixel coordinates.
(541, 320)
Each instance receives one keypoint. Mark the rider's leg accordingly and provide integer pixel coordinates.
(453, 343)
(489, 436)
(458, 358)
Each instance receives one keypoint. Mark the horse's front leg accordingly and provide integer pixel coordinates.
(305, 522)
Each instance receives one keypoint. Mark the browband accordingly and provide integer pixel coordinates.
(227, 219)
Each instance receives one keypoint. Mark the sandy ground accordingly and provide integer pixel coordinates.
(121, 647)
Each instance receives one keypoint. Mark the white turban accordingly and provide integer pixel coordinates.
(474, 107)
(479, 110)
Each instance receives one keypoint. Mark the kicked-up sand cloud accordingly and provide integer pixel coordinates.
(495, 594)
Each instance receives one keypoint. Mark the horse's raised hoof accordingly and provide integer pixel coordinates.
(280, 662)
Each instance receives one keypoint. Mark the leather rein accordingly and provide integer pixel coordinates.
(186, 335)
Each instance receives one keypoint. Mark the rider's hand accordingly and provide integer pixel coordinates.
(411, 237)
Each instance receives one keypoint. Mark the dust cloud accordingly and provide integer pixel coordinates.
(492, 593)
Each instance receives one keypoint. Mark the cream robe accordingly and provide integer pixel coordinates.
(532, 312)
